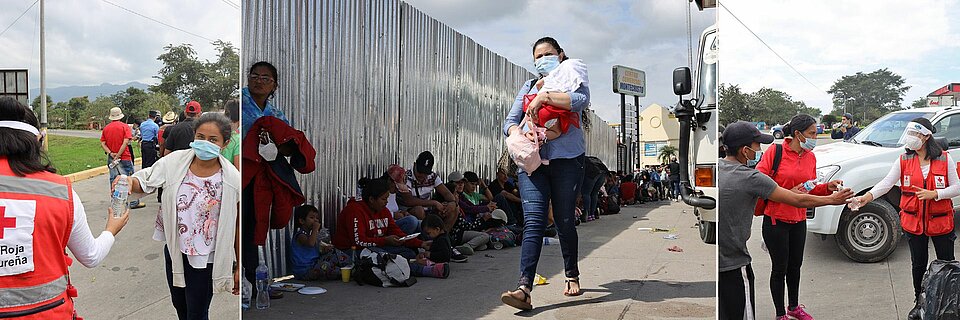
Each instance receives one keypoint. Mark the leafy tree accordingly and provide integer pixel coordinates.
(733, 104)
(869, 95)
(830, 119)
(186, 77)
(666, 152)
(921, 102)
(36, 103)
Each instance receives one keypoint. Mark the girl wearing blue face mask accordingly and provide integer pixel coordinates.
(198, 217)
(556, 183)
(785, 226)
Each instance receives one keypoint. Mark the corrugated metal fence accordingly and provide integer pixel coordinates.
(375, 82)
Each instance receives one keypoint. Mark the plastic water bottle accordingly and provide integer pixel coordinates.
(323, 235)
(245, 291)
(118, 200)
(546, 241)
(809, 185)
(854, 204)
(496, 244)
(263, 287)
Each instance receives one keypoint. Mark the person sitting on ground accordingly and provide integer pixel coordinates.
(507, 196)
(441, 250)
(423, 183)
(367, 223)
(407, 222)
(476, 209)
(628, 191)
(309, 263)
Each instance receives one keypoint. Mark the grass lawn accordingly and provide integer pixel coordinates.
(72, 154)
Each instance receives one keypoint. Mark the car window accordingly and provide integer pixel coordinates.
(887, 130)
(949, 127)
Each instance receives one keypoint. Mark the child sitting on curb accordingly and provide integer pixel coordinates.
(309, 261)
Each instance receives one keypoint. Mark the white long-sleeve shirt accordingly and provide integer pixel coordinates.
(953, 190)
(88, 250)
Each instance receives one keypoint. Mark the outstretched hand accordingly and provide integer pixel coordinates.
(840, 197)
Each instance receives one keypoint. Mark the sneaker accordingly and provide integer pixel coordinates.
(138, 206)
(458, 258)
(463, 249)
(441, 270)
(799, 314)
(915, 313)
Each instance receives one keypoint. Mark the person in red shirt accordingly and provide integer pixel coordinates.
(368, 224)
(628, 191)
(114, 140)
(785, 226)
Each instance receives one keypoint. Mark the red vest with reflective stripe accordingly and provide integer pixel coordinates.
(41, 293)
(932, 218)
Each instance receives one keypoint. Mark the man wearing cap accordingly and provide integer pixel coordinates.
(114, 139)
(181, 135)
(739, 191)
(846, 130)
(422, 183)
(148, 139)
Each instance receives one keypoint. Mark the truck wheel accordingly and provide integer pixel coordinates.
(871, 234)
(708, 230)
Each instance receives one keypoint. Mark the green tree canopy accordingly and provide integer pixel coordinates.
(868, 96)
(186, 77)
(921, 102)
(767, 105)
(666, 152)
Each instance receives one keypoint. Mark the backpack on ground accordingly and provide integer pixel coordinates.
(503, 235)
(383, 269)
(612, 206)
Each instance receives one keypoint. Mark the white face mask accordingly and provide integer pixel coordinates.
(268, 151)
(912, 142)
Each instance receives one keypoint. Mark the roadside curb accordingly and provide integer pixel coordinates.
(90, 173)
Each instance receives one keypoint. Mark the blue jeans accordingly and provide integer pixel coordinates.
(558, 182)
(590, 192)
(675, 184)
(125, 167)
(409, 224)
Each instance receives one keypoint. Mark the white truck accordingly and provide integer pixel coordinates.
(698, 123)
(872, 233)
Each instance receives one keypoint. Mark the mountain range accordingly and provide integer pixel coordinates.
(65, 93)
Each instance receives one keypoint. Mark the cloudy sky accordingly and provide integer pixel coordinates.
(649, 35)
(827, 39)
(91, 42)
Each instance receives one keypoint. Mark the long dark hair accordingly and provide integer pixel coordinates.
(223, 124)
(553, 42)
(272, 69)
(22, 150)
(374, 188)
(799, 122)
(934, 150)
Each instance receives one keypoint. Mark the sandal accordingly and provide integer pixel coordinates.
(508, 299)
(567, 291)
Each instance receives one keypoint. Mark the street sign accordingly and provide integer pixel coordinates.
(13, 83)
(629, 81)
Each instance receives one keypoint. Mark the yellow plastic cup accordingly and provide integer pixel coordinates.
(345, 273)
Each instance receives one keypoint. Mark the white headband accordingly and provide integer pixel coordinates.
(20, 126)
(916, 127)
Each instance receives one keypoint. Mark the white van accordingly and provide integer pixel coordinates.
(872, 233)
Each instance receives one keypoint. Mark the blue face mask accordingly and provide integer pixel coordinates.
(756, 158)
(809, 144)
(205, 150)
(546, 64)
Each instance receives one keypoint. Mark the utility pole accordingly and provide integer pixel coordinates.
(43, 83)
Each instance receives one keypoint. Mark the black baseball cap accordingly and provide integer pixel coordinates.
(471, 176)
(743, 133)
(424, 163)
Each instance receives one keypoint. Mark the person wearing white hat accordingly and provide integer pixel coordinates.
(114, 139)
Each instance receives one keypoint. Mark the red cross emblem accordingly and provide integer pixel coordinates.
(6, 222)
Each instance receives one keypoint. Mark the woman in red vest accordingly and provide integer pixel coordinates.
(928, 176)
(785, 226)
(40, 216)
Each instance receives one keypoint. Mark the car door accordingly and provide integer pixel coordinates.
(948, 128)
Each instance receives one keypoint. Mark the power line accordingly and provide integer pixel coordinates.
(160, 22)
(230, 3)
(771, 49)
(18, 18)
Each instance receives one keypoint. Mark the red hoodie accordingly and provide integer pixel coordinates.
(794, 169)
(359, 226)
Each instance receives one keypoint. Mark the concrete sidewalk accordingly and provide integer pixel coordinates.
(130, 283)
(835, 287)
(625, 274)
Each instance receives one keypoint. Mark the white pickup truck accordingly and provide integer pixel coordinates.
(872, 233)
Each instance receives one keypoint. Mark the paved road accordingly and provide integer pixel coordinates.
(626, 274)
(130, 283)
(75, 133)
(834, 287)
